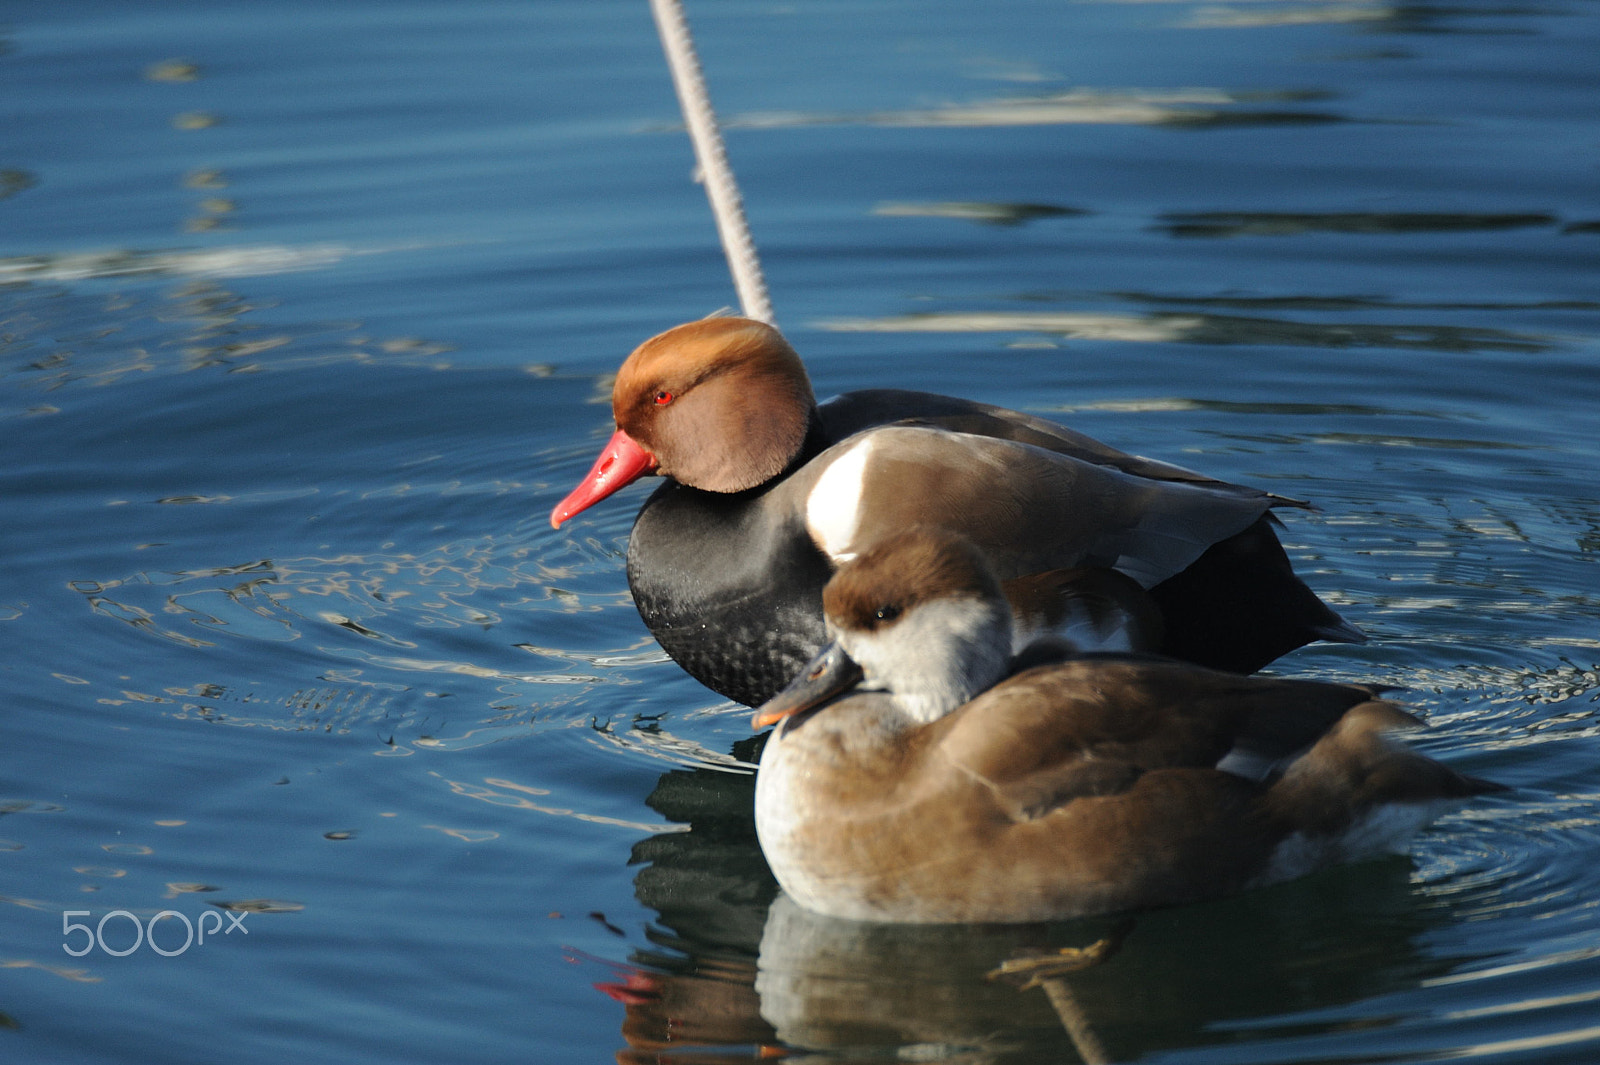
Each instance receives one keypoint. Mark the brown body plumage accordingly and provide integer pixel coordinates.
(1094, 784)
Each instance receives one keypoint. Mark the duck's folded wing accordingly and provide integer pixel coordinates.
(1094, 725)
(853, 412)
(1027, 508)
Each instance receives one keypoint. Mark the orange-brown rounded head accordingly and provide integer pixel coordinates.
(720, 404)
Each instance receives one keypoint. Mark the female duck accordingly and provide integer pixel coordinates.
(767, 492)
(911, 780)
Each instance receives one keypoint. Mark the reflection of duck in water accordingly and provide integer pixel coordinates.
(1184, 978)
(767, 491)
(941, 790)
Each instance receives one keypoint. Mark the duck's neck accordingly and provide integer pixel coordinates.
(814, 443)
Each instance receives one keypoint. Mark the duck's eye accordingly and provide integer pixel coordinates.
(663, 397)
(887, 613)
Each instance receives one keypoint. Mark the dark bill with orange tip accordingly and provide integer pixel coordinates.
(831, 673)
(622, 461)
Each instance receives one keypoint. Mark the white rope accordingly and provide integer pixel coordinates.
(721, 188)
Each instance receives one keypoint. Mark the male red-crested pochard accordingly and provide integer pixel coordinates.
(911, 779)
(766, 492)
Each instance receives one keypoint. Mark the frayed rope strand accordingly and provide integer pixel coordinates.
(721, 188)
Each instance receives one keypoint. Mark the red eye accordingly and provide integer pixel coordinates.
(663, 398)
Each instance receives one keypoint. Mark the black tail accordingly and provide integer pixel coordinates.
(1239, 606)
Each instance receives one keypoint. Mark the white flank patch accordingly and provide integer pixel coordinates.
(1255, 767)
(833, 509)
(1086, 631)
(1386, 829)
(1090, 633)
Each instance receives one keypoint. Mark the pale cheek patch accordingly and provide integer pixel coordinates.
(938, 656)
(833, 509)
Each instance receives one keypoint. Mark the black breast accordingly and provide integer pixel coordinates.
(730, 588)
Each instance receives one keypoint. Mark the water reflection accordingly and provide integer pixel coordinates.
(13, 181)
(56, 338)
(386, 618)
(1378, 15)
(694, 985)
(710, 885)
(1228, 16)
(172, 70)
(244, 260)
(1310, 302)
(1176, 404)
(1201, 328)
(731, 963)
(1283, 223)
(369, 592)
(991, 213)
(1201, 107)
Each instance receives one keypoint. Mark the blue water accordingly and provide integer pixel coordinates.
(306, 317)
